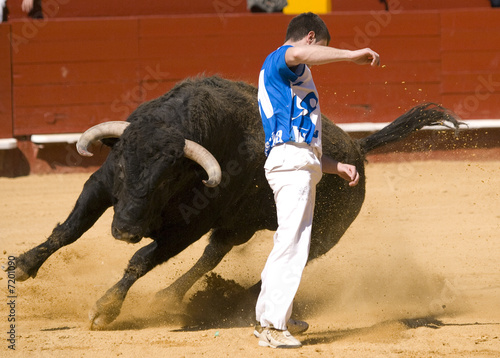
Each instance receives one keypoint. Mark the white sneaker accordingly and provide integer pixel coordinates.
(293, 326)
(275, 338)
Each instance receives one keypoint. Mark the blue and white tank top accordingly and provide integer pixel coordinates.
(288, 103)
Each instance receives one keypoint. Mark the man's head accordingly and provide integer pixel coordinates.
(301, 25)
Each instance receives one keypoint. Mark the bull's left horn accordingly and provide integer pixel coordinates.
(203, 157)
(112, 129)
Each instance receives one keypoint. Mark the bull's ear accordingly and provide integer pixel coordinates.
(110, 142)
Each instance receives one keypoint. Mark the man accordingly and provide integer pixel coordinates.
(33, 8)
(289, 107)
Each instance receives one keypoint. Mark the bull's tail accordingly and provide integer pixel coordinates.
(427, 114)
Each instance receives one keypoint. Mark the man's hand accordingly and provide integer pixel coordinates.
(365, 56)
(345, 171)
(27, 5)
(349, 173)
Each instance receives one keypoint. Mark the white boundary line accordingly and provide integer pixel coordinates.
(8, 143)
(11, 143)
(55, 138)
(373, 127)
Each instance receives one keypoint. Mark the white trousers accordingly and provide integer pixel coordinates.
(293, 171)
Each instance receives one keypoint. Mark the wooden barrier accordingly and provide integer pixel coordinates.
(69, 74)
(409, 75)
(470, 45)
(5, 83)
(114, 8)
(407, 5)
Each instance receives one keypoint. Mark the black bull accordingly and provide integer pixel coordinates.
(157, 192)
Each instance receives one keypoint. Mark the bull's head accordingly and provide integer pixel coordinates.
(135, 181)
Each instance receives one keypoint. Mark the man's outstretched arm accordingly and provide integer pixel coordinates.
(312, 55)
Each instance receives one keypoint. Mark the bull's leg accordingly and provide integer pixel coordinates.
(221, 242)
(108, 307)
(91, 204)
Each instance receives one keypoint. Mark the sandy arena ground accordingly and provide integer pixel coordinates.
(425, 245)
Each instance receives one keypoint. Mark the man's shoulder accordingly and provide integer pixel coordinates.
(280, 51)
(275, 64)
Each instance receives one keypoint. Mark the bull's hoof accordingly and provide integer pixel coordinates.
(105, 310)
(168, 301)
(98, 321)
(20, 274)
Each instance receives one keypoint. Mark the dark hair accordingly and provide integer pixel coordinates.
(302, 24)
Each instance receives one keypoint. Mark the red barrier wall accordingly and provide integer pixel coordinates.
(5, 83)
(100, 8)
(407, 5)
(470, 63)
(113, 8)
(71, 74)
(68, 74)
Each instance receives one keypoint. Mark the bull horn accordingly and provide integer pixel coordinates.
(203, 157)
(192, 150)
(112, 129)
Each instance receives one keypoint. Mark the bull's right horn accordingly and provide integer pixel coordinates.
(203, 157)
(112, 129)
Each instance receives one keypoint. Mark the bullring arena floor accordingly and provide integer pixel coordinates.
(426, 245)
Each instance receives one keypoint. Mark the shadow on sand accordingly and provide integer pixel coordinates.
(226, 304)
